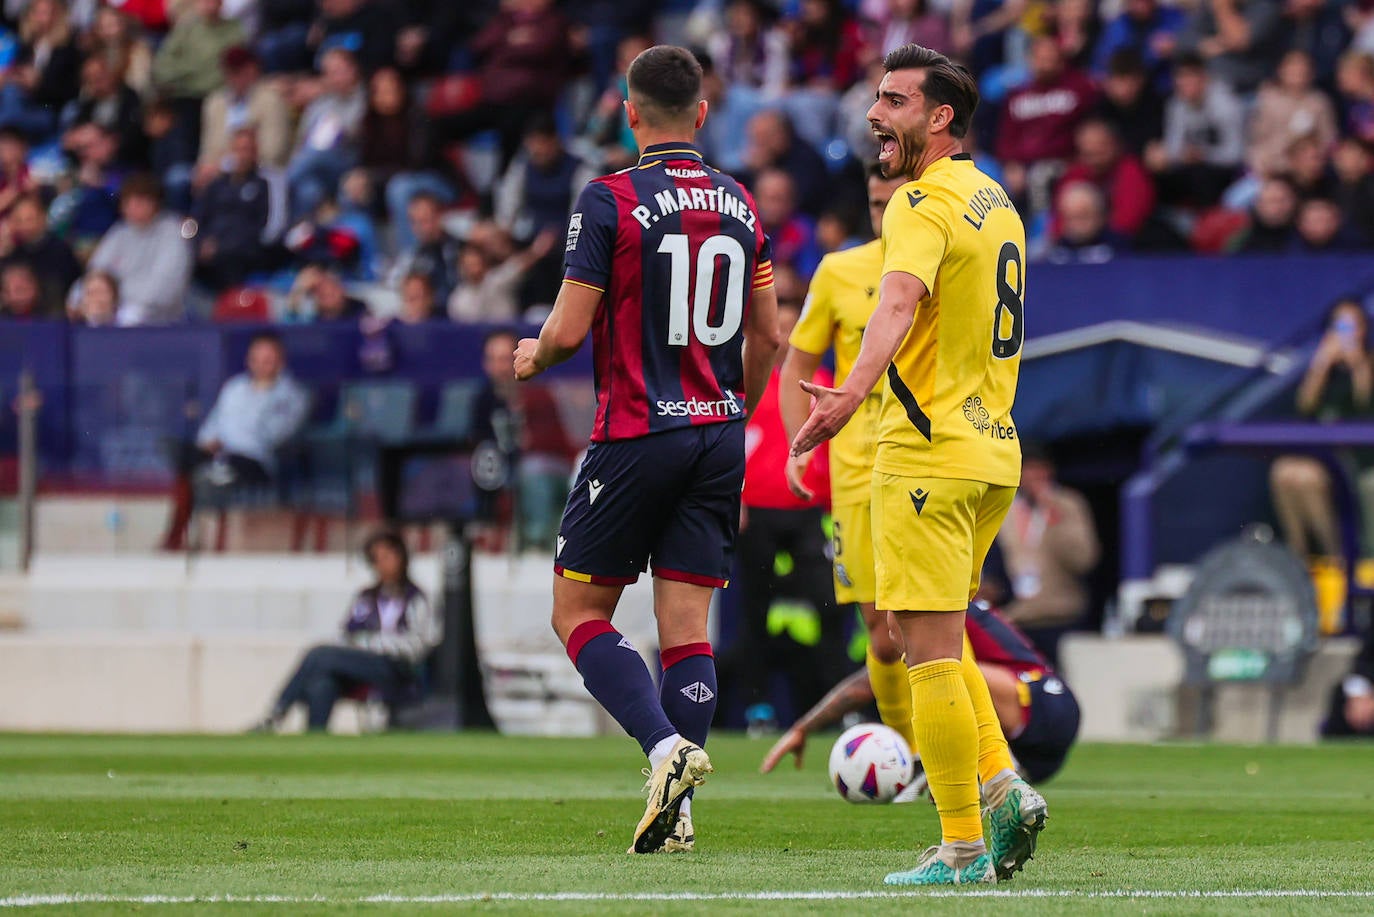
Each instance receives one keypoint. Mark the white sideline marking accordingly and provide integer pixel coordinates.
(18, 901)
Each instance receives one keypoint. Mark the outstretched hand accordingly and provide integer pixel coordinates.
(793, 742)
(829, 413)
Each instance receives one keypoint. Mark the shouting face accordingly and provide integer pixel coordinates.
(900, 122)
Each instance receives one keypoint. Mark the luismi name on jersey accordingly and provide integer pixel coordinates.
(716, 200)
(985, 201)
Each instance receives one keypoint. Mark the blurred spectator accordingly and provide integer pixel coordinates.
(171, 153)
(488, 280)
(86, 212)
(825, 46)
(15, 179)
(751, 51)
(538, 190)
(793, 234)
(433, 253)
(22, 296)
(365, 28)
(1149, 29)
(1077, 27)
(524, 420)
(1117, 173)
(432, 29)
(46, 74)
(1317, 28)
(318, 294)
(1241, 40)
(1352, 700)
(1272, 218)
(609, 132)
(327, 139)
(1049, 544)
(244, 101)
(1204, 137)
(1354, 168)
(254, 415)
(1309, 168)
(396, 151)
(773, 144)
(1134, 111)
(1039, 118)
(106, 101)
(390, 630)
(186, 68)
(232, 216)
(283, 33)
(523, 51)
(1083, 234)
(417, 300)
(1287, 109)
(536, 196)
(910, 22)
(97, 305)
(147, 252)
(1338, 386)
(1355, 81)
(118, 39)
(1321, 227)
(603, 24)
(24, 237)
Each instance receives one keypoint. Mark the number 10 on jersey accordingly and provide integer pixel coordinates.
(698, 302)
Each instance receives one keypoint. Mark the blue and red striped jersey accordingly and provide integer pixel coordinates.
(677, 250)
(996, 640)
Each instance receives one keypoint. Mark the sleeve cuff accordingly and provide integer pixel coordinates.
(589, 283)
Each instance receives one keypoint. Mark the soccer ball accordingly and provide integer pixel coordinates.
(871, 763)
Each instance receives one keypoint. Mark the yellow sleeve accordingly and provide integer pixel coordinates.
(816, 327)
(915, 236)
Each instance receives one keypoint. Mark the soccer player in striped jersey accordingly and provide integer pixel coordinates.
(667, 267)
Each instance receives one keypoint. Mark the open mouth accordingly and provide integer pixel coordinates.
(887, 145)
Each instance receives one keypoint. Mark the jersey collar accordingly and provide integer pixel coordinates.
(676, 149)
(962, 157)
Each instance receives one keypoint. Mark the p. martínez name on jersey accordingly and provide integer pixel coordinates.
(715, 200)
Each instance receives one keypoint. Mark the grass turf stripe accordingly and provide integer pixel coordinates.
(24, 901)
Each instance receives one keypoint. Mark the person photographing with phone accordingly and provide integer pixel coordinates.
(1338, 386)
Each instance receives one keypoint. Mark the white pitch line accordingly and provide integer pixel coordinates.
(26, 901)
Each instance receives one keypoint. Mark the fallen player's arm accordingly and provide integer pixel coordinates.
(563, 333)
(898, 298)
(854, 693)
(760, 345)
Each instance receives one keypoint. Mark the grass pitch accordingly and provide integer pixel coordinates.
(484, 824)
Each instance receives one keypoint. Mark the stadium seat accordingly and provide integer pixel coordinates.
(377, 410)
(456, 401)
(242, 304)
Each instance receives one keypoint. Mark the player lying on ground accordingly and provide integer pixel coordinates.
(678, 365)
(947, 333)
(1037, 711)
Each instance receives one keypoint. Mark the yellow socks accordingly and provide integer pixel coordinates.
(892, 691)
(993, 754)
(947, 735)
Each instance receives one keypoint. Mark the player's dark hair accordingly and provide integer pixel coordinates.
(665, 84)
(945, 83)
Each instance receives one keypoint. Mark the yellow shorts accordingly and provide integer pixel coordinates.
(930, 538)
(853, 544)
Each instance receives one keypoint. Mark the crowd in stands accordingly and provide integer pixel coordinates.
(417, 159)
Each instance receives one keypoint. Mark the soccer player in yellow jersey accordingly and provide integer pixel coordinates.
(947, 334)
(843, 294)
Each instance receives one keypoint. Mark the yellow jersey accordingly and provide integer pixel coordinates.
(842, 297)
(947, 406)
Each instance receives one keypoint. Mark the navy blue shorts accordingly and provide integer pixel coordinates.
(671, 498)
(1051, 728)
